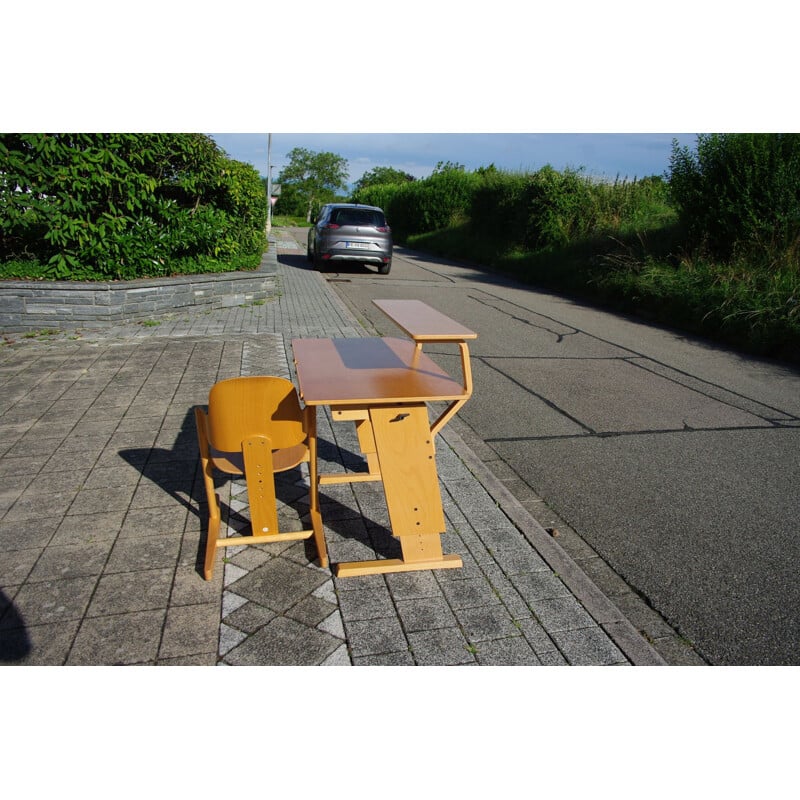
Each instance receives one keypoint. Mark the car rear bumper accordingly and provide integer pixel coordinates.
(373, 256)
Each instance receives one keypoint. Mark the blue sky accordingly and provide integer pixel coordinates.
(602, 154)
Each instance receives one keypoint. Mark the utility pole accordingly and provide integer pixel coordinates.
(269, 183)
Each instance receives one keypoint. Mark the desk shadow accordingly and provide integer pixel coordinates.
(176, 471)
(15, 643)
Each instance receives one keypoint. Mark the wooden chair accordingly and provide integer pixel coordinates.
(255, 427)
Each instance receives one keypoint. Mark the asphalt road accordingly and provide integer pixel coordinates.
(677, 461)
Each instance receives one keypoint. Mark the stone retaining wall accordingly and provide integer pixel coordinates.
(38, 305)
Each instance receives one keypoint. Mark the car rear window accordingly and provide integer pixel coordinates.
(358, 216)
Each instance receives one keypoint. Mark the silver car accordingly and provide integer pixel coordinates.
(345, 232)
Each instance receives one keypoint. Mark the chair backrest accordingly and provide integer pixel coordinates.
(242, 407)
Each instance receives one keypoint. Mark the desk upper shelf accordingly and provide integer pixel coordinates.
(423, 323)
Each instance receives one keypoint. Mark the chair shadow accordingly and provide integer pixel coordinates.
(177, 472)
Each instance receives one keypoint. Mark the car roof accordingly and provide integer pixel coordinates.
(354, 205)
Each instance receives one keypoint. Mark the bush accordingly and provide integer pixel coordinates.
(739, 196)
(122, 206)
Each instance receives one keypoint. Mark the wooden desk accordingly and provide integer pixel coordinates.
(383, 385)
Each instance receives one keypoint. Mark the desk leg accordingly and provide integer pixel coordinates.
(405, 452)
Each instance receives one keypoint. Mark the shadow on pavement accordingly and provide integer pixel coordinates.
(15, 644)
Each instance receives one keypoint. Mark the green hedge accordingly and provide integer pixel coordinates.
(125, 205)
(714, 247)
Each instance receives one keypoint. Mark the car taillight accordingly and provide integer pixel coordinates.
(384, 228)
(332, 226)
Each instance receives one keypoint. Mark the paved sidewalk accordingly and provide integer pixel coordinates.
(102, 518)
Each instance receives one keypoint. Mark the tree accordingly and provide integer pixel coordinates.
(316, 177)
(382, 175)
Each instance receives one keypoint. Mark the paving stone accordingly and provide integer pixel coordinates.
(520, 560)
(588, 647)
(375, 636)
(442, 647)
(425, 614)
(190, 630)
(333, 625)
(514, 651)
(402, 658)
(37, 645)
(71, 561)
(52, 601)
(131, 638)
(412, 585)
(278, 584)
(229, 638)
(539, 585)
(311, 611)
(284, 642)
(144, 552)
(190, 588)
(561, 613)
(89, 501)
(552, 658)
(338, 658)
(371, 603)
(487, 622)
(16, 565)
(536, 635)
(131, 591)
(470, 593)
(86, 528)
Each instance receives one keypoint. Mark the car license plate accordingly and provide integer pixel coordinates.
(359, 245)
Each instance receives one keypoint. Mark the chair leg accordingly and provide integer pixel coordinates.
(313, 493)
(213, 503)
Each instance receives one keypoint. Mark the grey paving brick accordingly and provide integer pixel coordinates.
(440, 647)
(539, 585)
(190, 630)
(144, 552)
(402, 658)
(536, 635)
(371, 603)
(37, 645)
(284, 642)
(588, 647)
(86, 528)
(469, 593)
(130, 638)
(375, 636)
(425, 613)
(71, 561)
(312, 611)
(412, 585)
(279, 584)
(561, 613)
(131, 591)
(16, 565)
(52, 601)
(514, 651)
(483, 623)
